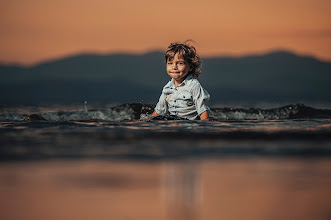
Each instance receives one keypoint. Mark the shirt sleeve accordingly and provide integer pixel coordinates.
(161, 107)
(200, 98)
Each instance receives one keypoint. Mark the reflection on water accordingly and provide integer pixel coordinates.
(245, 188)
(182, 189)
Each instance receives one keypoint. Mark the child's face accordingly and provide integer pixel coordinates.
(177, 68)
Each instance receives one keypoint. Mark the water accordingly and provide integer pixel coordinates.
(126, 131)
(113, 162)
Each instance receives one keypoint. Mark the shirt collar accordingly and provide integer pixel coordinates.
(186, 81)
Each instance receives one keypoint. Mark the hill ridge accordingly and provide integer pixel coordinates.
(278, 75)
(275, 52)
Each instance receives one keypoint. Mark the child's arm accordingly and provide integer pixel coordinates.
(154, 114)
(204, 116)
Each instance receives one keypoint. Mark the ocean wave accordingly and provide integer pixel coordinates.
(126, 131)
(138, 111)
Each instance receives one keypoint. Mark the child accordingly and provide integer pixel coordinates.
(183, 96)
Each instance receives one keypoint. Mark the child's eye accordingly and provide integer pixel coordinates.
(169, 63)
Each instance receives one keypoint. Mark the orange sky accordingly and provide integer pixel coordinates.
(32, 31)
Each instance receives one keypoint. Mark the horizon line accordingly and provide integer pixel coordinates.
(148, 51)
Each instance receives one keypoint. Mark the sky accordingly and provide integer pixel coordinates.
(33, 31)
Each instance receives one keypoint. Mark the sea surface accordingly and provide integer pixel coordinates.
(115, 162)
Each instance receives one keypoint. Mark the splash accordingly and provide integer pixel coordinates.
(139, 111)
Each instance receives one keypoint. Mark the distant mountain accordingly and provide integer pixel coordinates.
(278, 76)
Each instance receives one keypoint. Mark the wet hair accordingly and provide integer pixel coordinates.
(188, 53)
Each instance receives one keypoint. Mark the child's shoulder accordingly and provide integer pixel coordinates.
(192, 81)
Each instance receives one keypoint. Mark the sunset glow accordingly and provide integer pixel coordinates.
(33, 31)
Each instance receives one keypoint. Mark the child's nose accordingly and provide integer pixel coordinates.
(174, 66)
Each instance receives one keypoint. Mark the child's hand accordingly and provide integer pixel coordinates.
(154, 114)
(204, 116)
